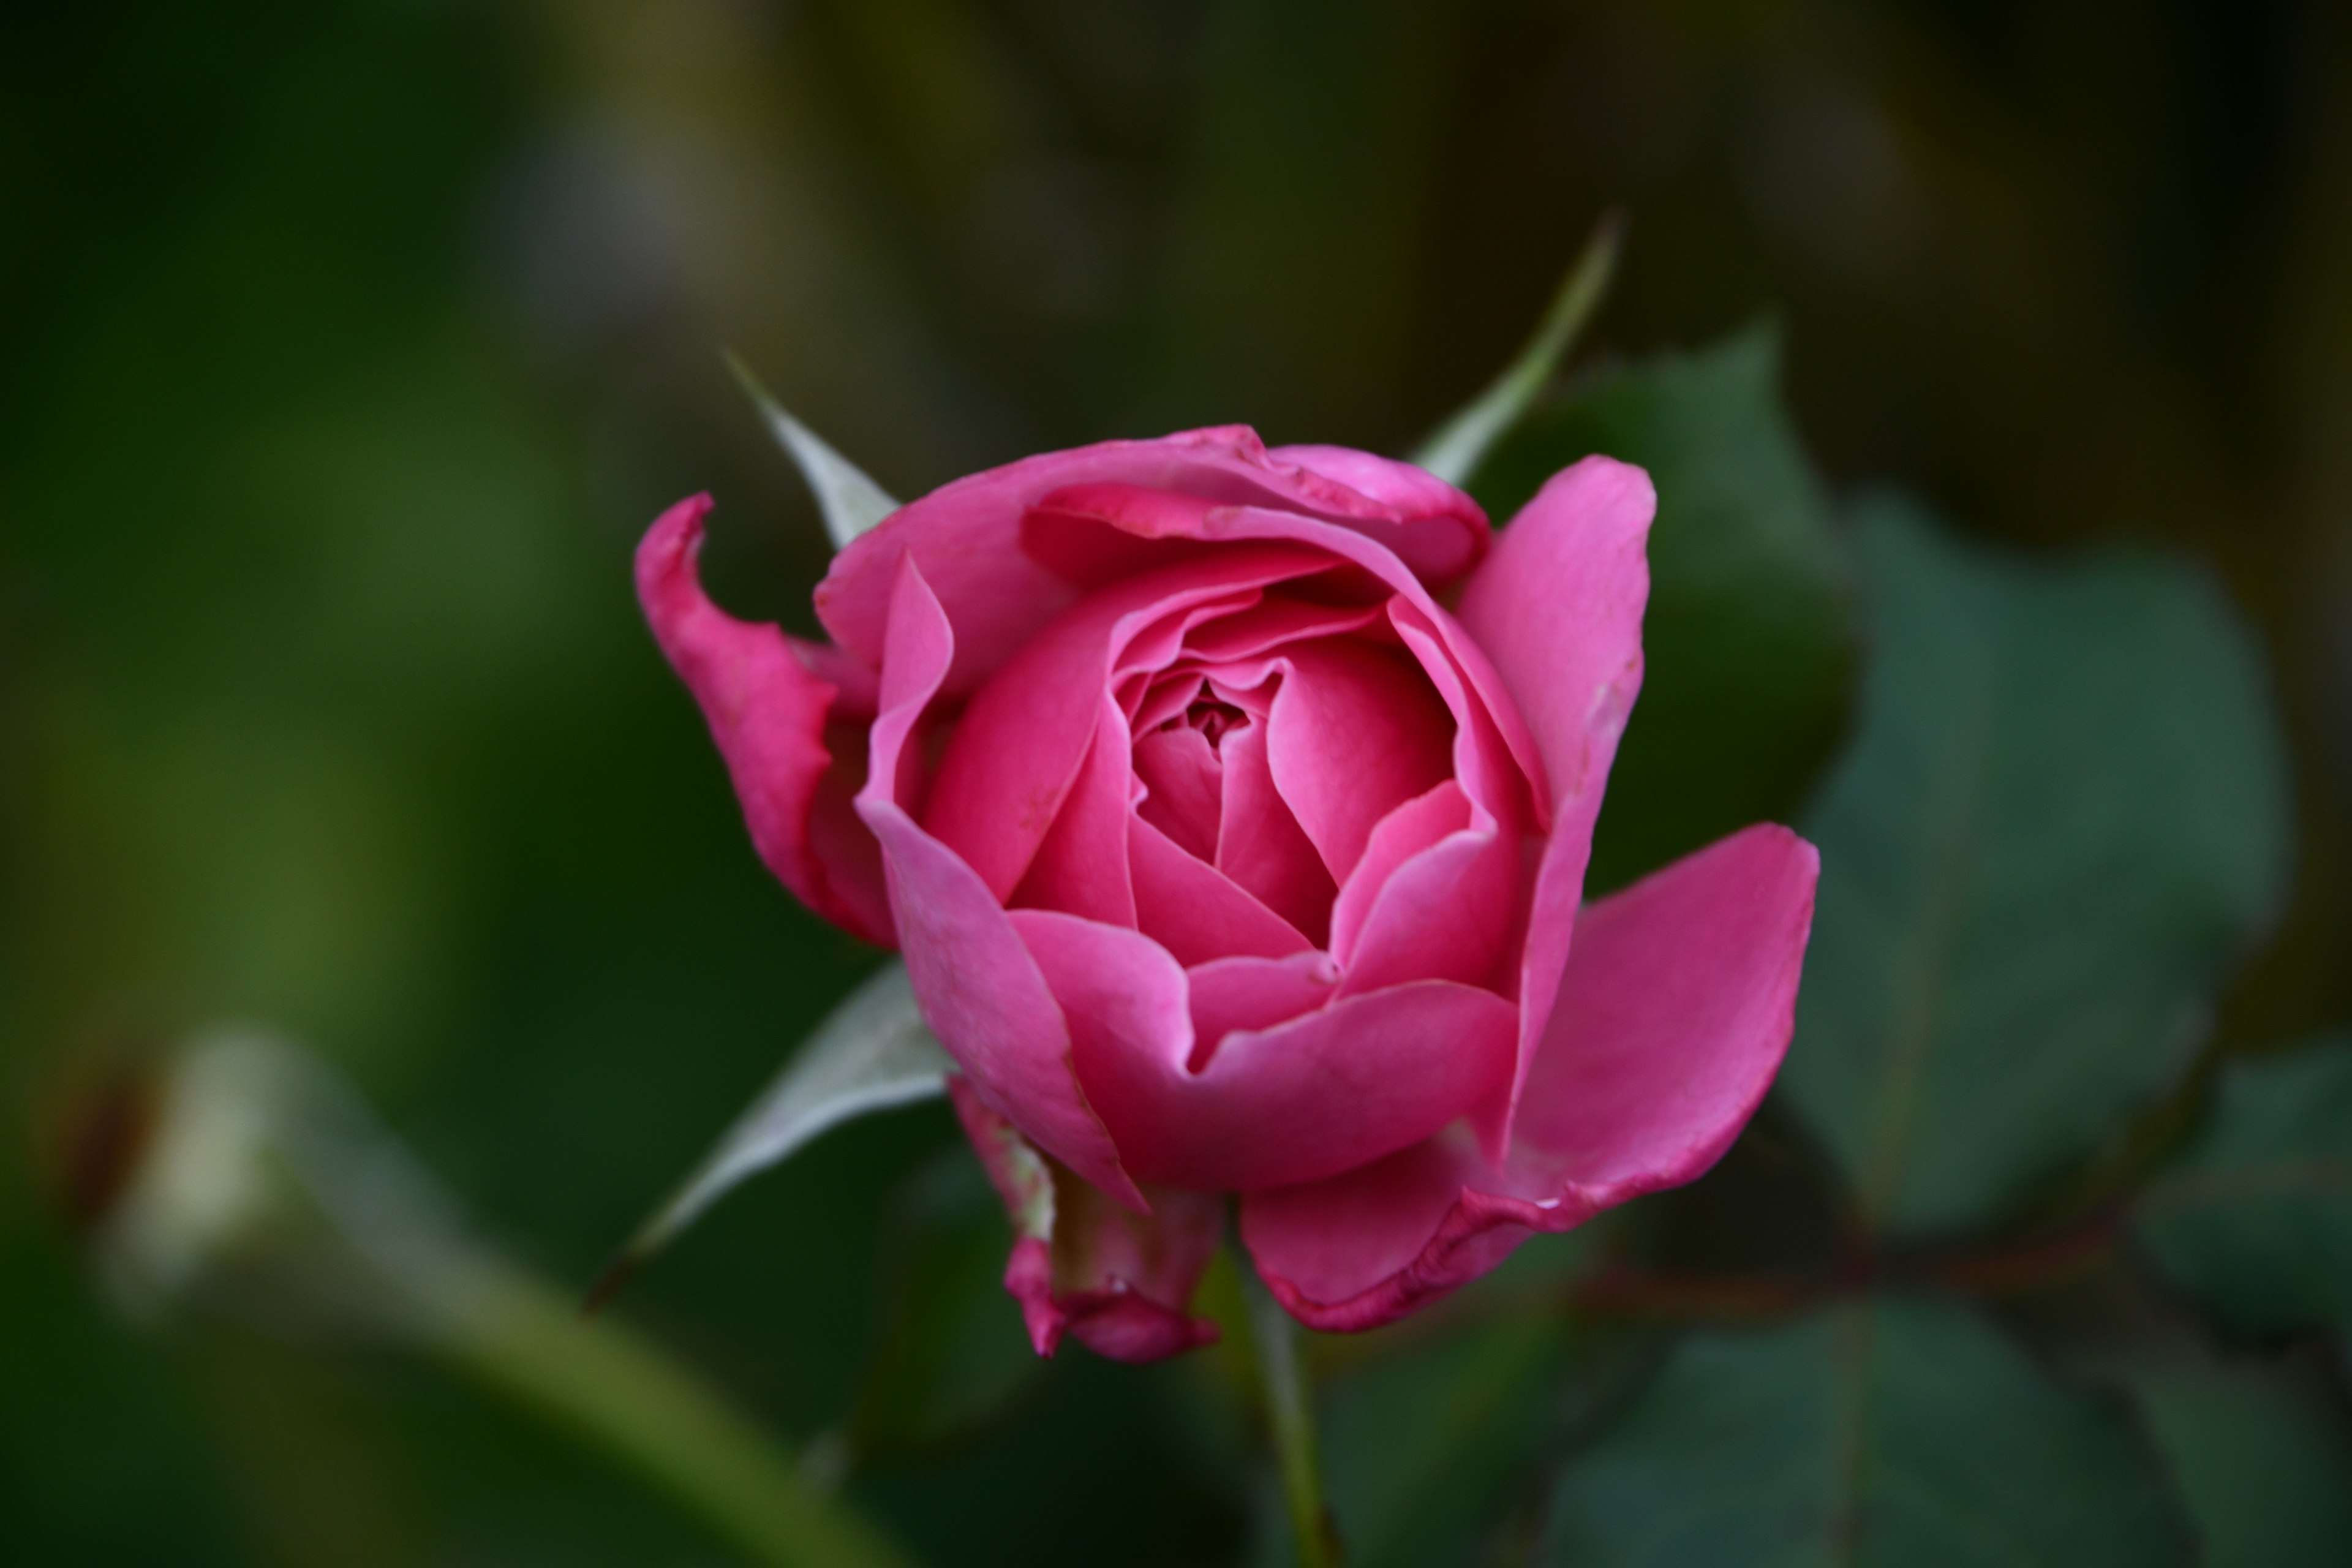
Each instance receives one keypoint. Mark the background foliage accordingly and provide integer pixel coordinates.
(352, 345)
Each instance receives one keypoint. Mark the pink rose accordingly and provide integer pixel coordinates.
(1226, 858)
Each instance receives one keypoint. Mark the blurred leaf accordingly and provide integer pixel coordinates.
(952, 1348)
(1461, 443)
(2256, 1218)
(1749, 639)
(1886, 1433)
(2265, 1465)
(851, 502)
(2062, 819)
(871, 1053)
(1432, 1452)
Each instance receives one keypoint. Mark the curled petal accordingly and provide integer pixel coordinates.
(998, 587)
(767, 710)
(1674, 1015)
(978, 989)
(1259, 1111)
(1559, 608)
(1083, 1265)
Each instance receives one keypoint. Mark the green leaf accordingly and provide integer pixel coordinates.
(2264, 1465)
(871, 1053)
(1461, 443)
(1424, 1450)
(1749, 637)
(2255, 1218)
(951, 1350)
(851, 502)
(2061, 822)
(1434, 1452)
(1893, 1434)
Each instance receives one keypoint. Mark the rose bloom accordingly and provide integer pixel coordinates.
(1226, 858)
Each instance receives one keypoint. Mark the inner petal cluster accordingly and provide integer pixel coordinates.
(1265, 735)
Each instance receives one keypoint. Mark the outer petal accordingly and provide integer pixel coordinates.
(999, 582)
(1557, 607)
(766, 711)
(1672, 1017)
(980, 991)
(1409, 491)
(1322, 1094)
(1117, 1280)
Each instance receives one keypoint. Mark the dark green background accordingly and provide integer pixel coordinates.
(348, 348)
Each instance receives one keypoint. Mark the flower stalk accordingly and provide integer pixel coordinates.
(1290, 1419)
(258, 1186)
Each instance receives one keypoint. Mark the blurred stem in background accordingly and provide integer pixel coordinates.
(252, 1183)
(1290, 1420)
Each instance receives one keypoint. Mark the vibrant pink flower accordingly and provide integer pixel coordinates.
(1224, 858)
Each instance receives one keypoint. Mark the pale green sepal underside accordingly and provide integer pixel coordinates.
(851, 502)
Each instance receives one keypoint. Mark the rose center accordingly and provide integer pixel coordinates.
(1212, 718)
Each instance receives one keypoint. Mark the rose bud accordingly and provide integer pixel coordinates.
(1225, 858)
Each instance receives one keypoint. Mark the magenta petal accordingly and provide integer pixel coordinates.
(1185, 785)
(980, 991)
(967, 537)
(1272, 623)
(1444, 914)
(1229, 994)
(1559, 608)
(767, 713)
(1020, 746)
(1354, 732)
(1402, 834)
(1081, 867)
(1672, 1017)
(1407, 491)
(1402, 1062)
(1259, 844)
(1083, 1265)
(1161, 516)
(1196, 911)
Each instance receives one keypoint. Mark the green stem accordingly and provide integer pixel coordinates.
(1453, 453)
(626, 1397)
(1291, 1415)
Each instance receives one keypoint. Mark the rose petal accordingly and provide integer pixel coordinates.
(1196, 911)
(1081, 865)
(1083, 1265)
(1149, 514)
(1443, 915)
(1559, 608)
(1229, 994)
(1355, 731)
(1672, 1017)
(1409, 491)
(1259, 844)
(1322, 1094)
(1272, 623)
(980, 991)
(968, 536)
(1185, 788)
(1402, 834)
(767, 713)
